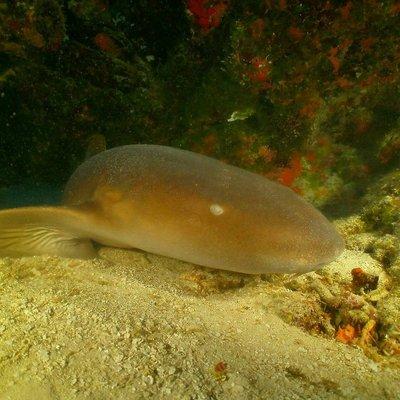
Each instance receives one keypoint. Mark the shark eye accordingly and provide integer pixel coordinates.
(216, 209)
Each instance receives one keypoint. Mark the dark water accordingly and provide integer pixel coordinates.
(29, 195)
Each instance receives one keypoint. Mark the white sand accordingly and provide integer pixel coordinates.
(139, 326)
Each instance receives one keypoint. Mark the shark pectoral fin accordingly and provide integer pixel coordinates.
(37, 240)
(36, 231)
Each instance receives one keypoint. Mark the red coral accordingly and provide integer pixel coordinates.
(295, 33)
(207, 17)
(345, 10)
(282, 5)
(344, 83)
(220, 367)
(260, 69)
(106, 43)
(332, 57)
(367, 43)
(288, 175)
(14, 25)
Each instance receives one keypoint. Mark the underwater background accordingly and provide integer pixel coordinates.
(305, 93)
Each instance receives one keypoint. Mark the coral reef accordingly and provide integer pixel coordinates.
(304, 92)
(382, 204)
(375, 230)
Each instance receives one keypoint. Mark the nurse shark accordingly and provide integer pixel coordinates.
(179, 204)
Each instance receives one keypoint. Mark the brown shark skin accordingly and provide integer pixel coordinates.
(188, 206)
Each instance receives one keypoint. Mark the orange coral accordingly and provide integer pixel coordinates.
(346, 334)
(332, 57)
(344, 83)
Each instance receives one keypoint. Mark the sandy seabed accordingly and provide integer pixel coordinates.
(132, 325)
